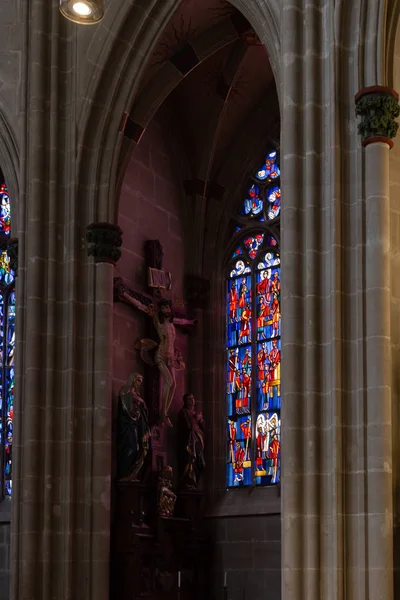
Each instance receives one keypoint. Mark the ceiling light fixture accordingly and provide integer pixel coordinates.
(84, 12)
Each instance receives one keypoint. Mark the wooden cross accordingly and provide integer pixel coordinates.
(157, 281)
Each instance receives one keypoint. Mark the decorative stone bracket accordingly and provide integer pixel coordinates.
(378, 108)
(104, 242)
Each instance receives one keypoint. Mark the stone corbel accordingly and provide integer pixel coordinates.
(104, 242)
(378, 108)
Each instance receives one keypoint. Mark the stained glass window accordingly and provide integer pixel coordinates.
(253, 335)
(7, 347)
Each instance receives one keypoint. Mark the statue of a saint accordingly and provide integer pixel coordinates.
(167, 358)
(133, 431)
(166, 497)
(190, 443)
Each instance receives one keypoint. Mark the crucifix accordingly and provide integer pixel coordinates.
(161, 353)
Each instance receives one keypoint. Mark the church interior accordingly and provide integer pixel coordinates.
(199, 392)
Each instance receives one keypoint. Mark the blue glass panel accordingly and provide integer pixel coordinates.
(253, 243)
(267, 468)
(268, 303)
(272, 241)
(253, 205)
(238, 380)
(239, 451)
(11, 330)
(5, 211)
(7, 275)
(269, 170)
(274, 199)
(270, 259)
(9, 393)
(239, 311)
(238, 252)
(240, 268)
(269, 375)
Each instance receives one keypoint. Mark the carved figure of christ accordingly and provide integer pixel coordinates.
(165, 355)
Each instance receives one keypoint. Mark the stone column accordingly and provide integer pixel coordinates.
(104, 244)
(336, 380)
(378, 107)
(62, 445)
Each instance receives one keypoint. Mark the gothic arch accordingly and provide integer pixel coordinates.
(121, 65)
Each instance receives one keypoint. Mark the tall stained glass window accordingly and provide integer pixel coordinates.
(253, 334)
(7, 346)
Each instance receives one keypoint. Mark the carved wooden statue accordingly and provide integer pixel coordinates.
(133, 432)
(190, 444)
(167, 358)
(166, 497)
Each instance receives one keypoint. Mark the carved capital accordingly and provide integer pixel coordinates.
(197, 291)
(104, 242)
(12, 251)
(378, 108)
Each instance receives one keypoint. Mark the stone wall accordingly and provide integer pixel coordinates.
(149, 209)
(248, 549)
(5, 531)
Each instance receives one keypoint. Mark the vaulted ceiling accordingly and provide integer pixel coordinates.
(209, 70)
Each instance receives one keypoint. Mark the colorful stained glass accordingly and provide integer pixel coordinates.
(7, 350)
(268, 448)
(253, 342)
(268, 304)
(253, 244)
(241, 268)
(274, 199)
(269, 375)
(238, 252)
(239, 375)
(9, 401)
(239, 311)
(7, 275)
(271, 241)
(269, 170)
(5, 211)
(270, 259)
(11, 331)
(239, 451)
(253, 205)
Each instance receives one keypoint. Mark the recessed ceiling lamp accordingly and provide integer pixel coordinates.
(84, 12)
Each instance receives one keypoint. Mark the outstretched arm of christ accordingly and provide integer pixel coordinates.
(149, 310)
(184, 322)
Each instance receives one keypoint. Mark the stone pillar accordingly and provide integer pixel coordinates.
(104, 244)
(62, 433)
(336, 380)
(378, 107)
